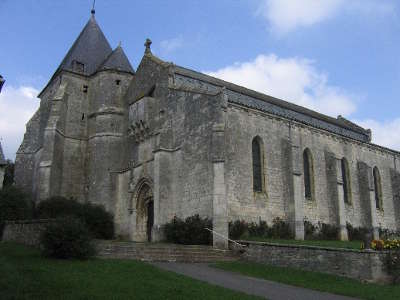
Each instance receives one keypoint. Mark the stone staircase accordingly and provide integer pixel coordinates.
(162, 252)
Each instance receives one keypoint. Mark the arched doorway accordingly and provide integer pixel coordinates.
(144, 214)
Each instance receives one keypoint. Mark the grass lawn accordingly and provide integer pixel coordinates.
(333, 244)
(315, 281)
(27, 275)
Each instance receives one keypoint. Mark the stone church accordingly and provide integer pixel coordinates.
(163, 140)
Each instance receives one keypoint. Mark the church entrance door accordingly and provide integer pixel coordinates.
(150, 219)
(144, 214)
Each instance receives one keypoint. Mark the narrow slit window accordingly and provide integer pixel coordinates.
(257, 165)
(346, 181)
(308, 166)
(378, 189)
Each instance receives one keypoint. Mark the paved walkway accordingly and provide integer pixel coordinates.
(249, 285)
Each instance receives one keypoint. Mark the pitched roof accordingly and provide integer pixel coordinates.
(249, 98)
(2, 159)
(117, 60)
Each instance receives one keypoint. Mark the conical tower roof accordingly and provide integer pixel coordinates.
(91, 48)
(117, 60)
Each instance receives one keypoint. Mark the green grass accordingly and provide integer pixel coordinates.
(27, 275)
(319, 243)
(313, 280)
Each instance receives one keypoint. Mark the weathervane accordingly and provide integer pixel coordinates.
(93, 11)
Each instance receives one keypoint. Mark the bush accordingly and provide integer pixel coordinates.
(58, 206)
(309, 230)
(280, 229)
(356, 233)
(328, 232)
(67, 237)
(237, 229)
(99, 222)
(387, 234)
(261, 229)
(191, 231)
(14, 205)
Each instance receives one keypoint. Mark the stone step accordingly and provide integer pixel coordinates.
(162, 252)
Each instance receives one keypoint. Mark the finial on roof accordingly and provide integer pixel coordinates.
(147, 44)
(1, 82)
(93, 11)
(119, 44)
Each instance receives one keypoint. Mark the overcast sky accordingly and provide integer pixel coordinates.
(333, 56)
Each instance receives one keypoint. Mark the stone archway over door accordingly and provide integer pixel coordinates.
(144, 214)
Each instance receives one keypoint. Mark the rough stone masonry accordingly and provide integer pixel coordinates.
(165, 140)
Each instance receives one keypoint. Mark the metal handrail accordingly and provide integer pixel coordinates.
(224, 237)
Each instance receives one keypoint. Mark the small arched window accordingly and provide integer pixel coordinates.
(346, 181)
(377, 188)
(308, 166)
(257, 155)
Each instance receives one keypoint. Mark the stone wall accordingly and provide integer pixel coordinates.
(364, 265)
(25, 232)
(283, 143)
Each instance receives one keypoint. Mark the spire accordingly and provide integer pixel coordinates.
(89, 50)
(117, 60)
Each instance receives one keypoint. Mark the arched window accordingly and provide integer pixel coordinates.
(308, 166)
(257, 152)
(346, 181)
(378, 188)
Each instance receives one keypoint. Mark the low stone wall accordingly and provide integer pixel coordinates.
(25, 232)
(364, 265)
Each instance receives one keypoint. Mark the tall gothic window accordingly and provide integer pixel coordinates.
(257, 164)
(308, 166)
(377, 188)
(346, 181)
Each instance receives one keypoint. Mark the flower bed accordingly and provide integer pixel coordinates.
(391, 244)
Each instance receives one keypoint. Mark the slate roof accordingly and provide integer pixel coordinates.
(255, 100)
(90, 48)
(2, 159)
(117, 60)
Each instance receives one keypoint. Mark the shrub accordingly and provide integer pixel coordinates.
(99, 222)
(191, 231)
(237, 229)
(387, 234)
(58, 206)
(14, 205)
(309, 230)
(356, 233)
(261, 229)
(280, 229)
(328, 231)
(67, 237)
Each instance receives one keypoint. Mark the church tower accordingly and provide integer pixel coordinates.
(72, 143)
